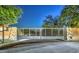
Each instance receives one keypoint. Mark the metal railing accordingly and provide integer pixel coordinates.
(41, 33)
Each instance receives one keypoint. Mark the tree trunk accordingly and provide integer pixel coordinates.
(3, 34)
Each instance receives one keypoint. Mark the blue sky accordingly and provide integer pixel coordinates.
(33, 15)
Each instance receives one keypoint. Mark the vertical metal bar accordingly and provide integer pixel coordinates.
(23, 32)
(51, 31)
(29, 32)
(17, 34)
(35, 32)
(45, 32)
(58, 31)
(65, 33)
(40, 32)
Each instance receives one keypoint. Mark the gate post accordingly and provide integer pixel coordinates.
(40, 32)
(65, 33)
(58, 31)
(29, 32)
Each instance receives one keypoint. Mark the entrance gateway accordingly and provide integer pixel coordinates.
(41, 33)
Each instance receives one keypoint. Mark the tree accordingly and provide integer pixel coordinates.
(51, 22)
(70, 16)
(57, 22)
(48, 22)
(9, 15)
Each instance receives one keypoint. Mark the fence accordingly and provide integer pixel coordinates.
(41, 33)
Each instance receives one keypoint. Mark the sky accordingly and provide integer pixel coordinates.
(34, 15)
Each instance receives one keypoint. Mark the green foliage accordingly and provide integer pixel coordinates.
(9, 14)
(70, 16)
(51, 22)
(48, 21)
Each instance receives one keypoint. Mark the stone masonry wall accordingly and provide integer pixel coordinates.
(72, 33)
(11, 33)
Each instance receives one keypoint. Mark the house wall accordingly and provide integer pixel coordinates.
(11, 33)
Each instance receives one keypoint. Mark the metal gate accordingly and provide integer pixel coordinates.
(41, 33)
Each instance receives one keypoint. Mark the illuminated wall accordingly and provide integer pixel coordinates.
(72, 33)
(10, 33)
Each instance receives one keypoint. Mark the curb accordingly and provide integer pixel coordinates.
(14, 44)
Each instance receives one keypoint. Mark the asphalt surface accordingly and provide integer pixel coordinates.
(46, 47)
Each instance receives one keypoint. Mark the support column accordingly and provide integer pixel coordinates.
(51, 31)
(45, 31)
(29, 31)
(65, 33)
(23, 31)
(40, 33)
(35, 32)
(58, 31)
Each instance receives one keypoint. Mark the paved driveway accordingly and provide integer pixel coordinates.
(48, 47)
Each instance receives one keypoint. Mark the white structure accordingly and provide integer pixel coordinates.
(41, 33)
